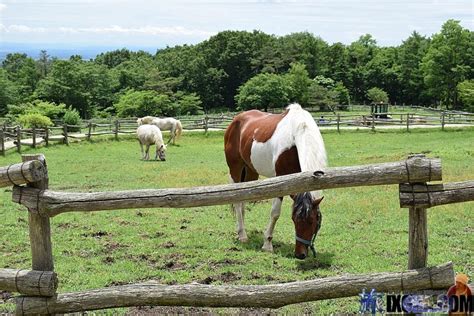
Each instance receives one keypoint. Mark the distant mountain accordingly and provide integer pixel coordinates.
(62, 51)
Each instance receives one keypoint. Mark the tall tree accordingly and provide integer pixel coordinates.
(448, 62)
(410, 55)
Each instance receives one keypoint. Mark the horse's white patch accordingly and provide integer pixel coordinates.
(299, 129)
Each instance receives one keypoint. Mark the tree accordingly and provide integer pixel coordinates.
(410, 55)
(377, 95)
(466, 94)
(85, 86)
(263, 91)
(43, 63)
(448, 62)
(8, 92)
(143, 103)
(298, 82)
(21, 70)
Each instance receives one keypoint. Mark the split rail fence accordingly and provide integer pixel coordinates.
(38, 286)
(15, 137)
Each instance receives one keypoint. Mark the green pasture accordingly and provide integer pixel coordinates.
(363, 231)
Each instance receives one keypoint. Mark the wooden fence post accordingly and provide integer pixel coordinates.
(408, 122)
(46, 136)
(89, 131)
(206, 121)
(338, 122)
(418, 238)
(18, 139)
(66, 140)
(442, 120)
(2, 141)
(34, 137)
(117, 124)
(373, 121)
(39, 226)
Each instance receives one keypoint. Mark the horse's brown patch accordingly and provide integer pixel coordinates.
(244, 129)
(288, 162)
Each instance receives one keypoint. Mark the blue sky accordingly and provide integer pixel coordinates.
(150, 23)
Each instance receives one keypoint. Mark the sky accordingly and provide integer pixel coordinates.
(127, 23)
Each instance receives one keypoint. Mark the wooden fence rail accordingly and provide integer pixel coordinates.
(263, 296)
(51, 203)
(22, 173)
(29, 282)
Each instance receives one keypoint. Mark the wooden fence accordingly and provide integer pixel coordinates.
(30, 180)
(15, 137)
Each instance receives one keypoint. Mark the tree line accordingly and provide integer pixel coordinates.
(240, 70)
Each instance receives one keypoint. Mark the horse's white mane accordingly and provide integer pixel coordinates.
(308, 140)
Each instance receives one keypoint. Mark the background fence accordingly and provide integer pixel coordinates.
(14, 137)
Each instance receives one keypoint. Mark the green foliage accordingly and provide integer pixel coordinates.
(448, 62)
(188, 104)
(72, 117)
(8, 92)
(34, 120)
(466, 94)
(142, 103)
(342, 94)
(298, 83)
(262, 92)
(49, 109)
(377, 95)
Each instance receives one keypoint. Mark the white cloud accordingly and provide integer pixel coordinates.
(145, 30)
(15, 28)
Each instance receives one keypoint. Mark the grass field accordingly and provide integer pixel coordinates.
(364, 230)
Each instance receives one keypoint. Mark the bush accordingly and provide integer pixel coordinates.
(34, 120)
(377, 95)
(72, 117)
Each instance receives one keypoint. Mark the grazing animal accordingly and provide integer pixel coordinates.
(165, 124)
(258, 143)
(148, 135)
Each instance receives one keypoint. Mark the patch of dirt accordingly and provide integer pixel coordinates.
(168, 245)
(112, 246)
(98, 234)
(224, 262)
(108, 260)
(174, 265)
(234, 249)
(225, 277)
(66, 225)
(200, 311)
(4, 296)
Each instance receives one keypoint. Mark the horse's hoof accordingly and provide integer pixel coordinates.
(243, 239)
(267, 248)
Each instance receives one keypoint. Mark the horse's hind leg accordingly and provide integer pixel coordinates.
(268, 235)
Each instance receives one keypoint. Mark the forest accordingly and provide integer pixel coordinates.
(237, 70)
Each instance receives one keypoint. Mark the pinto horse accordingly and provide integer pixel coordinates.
(258, 143)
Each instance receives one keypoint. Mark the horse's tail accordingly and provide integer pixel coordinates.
(179, 128)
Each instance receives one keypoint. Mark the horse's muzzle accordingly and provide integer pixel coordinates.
(300, 256)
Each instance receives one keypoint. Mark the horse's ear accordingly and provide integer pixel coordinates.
(318, 201)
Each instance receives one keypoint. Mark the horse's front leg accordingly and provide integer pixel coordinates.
(147, 152)
(239, 210)
(268, 235)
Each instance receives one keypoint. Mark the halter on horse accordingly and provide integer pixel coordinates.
(258, 143)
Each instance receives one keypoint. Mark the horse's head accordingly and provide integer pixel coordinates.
(161, 152)
(307, 218)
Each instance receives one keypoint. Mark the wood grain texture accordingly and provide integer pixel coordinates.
(21, 173)
(420, 195)
(417, 238)
(29, 282)
(51, 203)
(263, 296)
(39, 225)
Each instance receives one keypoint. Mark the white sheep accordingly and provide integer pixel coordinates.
(148, 135)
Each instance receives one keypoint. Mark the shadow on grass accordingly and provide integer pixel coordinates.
(323, 260)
